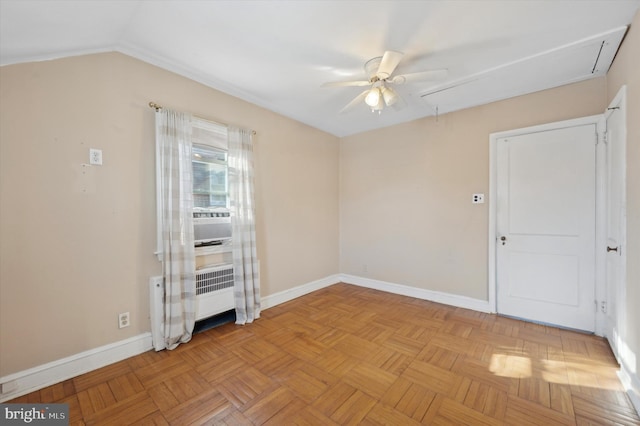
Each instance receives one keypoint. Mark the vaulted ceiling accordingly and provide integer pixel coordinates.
(277, 54)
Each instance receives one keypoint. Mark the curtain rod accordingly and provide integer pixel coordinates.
(159, 107)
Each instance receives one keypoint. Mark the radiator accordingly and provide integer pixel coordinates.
(214, 295)
(214, 291)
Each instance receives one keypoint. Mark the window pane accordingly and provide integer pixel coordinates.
(209, 177)
(208, 154)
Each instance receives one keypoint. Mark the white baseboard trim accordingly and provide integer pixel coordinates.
(630, 381)
(631, 384)
(404, 290)
(419, 293)
(24, 382)
(295, 292)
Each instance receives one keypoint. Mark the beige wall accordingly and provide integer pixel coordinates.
(77, 241)
(405, 191)
(626, 70)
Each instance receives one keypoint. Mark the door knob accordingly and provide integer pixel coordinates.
(611, 249)
(503, 239)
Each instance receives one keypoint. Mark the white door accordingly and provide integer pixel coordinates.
(545, 224)
(616, 221)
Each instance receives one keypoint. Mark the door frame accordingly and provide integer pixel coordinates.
(616, 333)
(600, 165)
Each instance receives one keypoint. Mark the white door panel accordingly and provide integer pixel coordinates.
(546, 226)
(544, 188)
(529, 278)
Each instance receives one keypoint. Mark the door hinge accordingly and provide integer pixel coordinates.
(602, 306)
(602, 137)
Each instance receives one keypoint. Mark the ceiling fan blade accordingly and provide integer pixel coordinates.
(421, 76)
(388, 64)
(356, 101)
(347, 83)
(400, 104)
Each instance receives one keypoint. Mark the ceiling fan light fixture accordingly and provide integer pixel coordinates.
(389, 95)
(380, 105)
(373, 97)
(379, 72)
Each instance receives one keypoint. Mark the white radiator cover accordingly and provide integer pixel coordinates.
(214, 295)
(214, 291)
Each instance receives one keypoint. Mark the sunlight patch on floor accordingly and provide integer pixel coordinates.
(510, 365)
(589, 373)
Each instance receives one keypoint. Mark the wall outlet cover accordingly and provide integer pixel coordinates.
(124, 320)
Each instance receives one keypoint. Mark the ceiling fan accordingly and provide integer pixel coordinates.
(380, 95)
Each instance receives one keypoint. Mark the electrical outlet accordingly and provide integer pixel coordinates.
(477, 199)
(95, 156)
(123, 320)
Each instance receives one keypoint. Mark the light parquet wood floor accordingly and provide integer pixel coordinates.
(349, 355)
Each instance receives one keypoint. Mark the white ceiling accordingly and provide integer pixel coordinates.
(277, 54)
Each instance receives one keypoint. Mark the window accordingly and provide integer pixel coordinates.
(210, 187)
(209, 162)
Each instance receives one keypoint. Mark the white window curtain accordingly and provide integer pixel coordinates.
(173, 140)
(241, 194)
